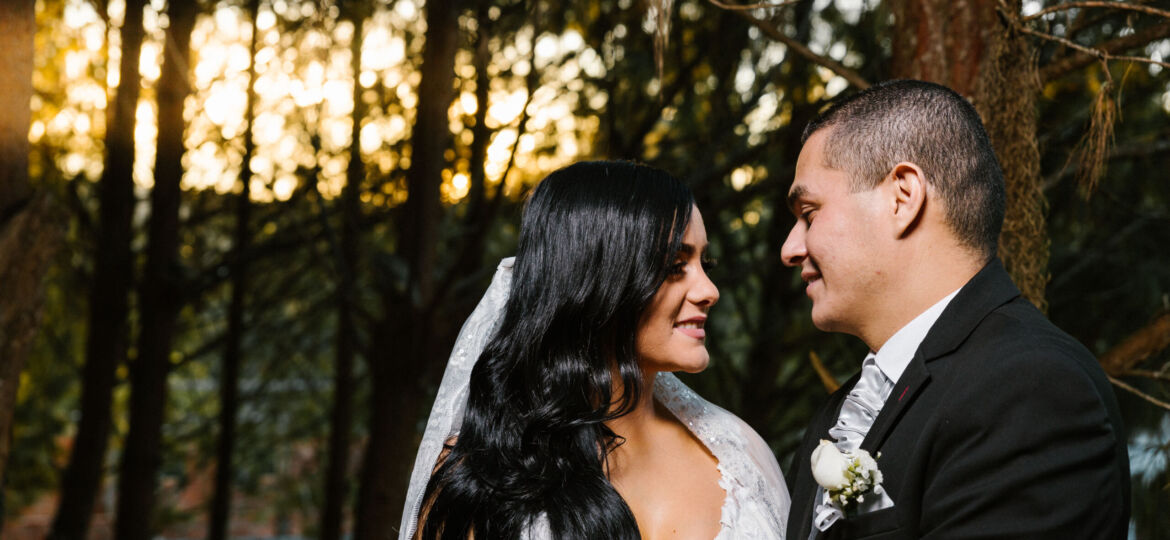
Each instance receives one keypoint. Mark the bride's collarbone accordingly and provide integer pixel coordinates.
(671, 483)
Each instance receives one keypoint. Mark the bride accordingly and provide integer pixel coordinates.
(558, 416)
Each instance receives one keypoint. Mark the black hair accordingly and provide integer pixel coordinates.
(933, 127)
(596, 242)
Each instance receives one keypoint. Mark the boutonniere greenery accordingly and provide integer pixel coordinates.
(847, 477)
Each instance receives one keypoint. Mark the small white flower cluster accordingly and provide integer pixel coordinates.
(846, 476)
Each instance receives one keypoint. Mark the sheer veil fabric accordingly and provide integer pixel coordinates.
(756, 504)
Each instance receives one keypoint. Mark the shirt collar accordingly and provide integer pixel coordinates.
(897, 352)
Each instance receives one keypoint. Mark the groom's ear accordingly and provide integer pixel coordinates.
(908, 186)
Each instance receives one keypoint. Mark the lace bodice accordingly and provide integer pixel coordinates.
(757, 500)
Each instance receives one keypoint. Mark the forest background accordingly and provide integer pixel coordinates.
(238, 237)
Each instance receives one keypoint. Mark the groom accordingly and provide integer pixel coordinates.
(986, 420)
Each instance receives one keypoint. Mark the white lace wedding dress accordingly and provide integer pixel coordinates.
(756, 502)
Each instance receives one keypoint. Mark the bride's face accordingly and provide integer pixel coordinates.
(671, 334)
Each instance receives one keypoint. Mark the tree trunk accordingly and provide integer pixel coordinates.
(221, 499)
(28, 234)
(108, 296)
(341, 424)
(159, 298)
(968, 47)
(404, 339)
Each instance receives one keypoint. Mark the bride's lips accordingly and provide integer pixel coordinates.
(692, 327)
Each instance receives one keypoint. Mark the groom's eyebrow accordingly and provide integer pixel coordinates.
(797, 193)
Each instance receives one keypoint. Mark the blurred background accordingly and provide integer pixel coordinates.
(238, 237)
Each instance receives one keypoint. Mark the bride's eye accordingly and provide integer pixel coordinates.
(677, 269)
(709, 263)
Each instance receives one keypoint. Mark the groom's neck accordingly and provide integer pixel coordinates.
(925, 277)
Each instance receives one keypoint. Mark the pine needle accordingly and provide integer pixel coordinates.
(1093, 149)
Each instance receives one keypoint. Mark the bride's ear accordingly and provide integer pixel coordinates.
(908, 185)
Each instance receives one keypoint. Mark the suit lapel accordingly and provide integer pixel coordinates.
(913, 380)
(990, 288)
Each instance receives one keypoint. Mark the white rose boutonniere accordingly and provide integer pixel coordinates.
(847, 478)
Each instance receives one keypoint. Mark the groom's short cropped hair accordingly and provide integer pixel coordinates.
(933, 127)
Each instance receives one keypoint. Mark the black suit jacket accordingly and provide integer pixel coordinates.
(1002, 426)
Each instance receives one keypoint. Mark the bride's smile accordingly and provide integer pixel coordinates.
(672, 331)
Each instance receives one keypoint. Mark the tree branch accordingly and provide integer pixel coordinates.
(1131, 151)
(1140, 394)
(1109, 5)
(1138, 346)
(1110, 48)
(764, 5)
(1149, 374)
(831, 384)
(771, 31)
(1100, 54)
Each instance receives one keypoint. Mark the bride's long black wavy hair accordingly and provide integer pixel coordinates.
(596, 242)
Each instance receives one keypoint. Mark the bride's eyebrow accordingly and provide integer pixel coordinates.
(688, 249)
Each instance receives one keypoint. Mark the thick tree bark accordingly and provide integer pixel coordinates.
(159, 298)
(109, 294)
(29, 235)
(17, 26)
(967, 46)
(405, 342)
(341, 425)
(221, 499)
(1006, 96)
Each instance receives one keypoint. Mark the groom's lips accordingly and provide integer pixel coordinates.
(810, 277)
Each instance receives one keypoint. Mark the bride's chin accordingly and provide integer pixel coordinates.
(694, 367)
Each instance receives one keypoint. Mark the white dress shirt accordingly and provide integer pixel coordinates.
(892, 358)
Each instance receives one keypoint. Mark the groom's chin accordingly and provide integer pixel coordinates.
(823, 321)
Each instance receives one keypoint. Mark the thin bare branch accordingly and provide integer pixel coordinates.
(827, 379)
(1096, 53)
(1148, 373)
(1139, 393)
(762, 5)
(1139, 59)
(771, 31)
(1109, 5)
(1139, 38)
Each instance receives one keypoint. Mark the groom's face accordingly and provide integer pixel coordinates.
(837, 242)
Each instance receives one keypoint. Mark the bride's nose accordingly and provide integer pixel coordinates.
(704, 293)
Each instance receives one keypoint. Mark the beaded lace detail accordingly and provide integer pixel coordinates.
(756, 503)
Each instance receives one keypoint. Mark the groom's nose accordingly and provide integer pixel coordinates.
(793, 252)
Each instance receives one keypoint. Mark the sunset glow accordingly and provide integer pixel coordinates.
(304, 86)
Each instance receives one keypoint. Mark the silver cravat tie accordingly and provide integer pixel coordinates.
(861, 406)
(858, 412)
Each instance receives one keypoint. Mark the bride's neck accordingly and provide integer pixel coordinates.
(637, 425)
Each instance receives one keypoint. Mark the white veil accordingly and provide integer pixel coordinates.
(451, 400)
